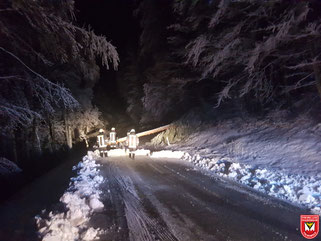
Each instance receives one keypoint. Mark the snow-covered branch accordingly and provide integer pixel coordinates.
(249, 47)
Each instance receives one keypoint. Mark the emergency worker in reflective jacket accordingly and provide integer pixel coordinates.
(101, 140)
(133, 142)
(112, 138)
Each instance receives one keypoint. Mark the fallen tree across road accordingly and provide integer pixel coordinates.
(149, 132)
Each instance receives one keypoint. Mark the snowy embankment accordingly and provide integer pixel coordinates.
(276, 155)
(297, 189)
(146, 152)
(80, 201)
(168, 154)
(123, 152)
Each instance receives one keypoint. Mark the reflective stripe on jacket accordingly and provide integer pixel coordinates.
(112, 137)
(133, 141)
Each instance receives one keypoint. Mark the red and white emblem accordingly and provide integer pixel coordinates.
(309, 225)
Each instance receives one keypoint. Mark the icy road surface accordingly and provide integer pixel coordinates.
(168, 199)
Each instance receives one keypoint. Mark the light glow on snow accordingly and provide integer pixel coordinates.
(122, 152)
(298, 189)
(146, 152)
(80, 200)
(117, 152)
(167, 154)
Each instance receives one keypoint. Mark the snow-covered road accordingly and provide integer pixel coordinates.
(169, 199)
(153, 197)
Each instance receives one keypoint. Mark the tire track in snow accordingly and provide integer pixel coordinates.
(114, 216)
(144, 223)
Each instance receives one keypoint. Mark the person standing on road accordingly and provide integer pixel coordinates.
(112, 138)
(101, 140)
(133, 142)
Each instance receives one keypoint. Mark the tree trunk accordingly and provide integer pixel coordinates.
(146, 133)
(69, 136)
(86, 137)
(83, 135)
(86, 141)
(36, 140)
(68, 131)
(51, 135)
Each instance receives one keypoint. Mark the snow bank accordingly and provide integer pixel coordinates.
(278, 154)
(275, 141)
(146, 152)
(81, 199)
(142, 152)
(117, 152)
(168, 154)
(122, 152)
(303, 190)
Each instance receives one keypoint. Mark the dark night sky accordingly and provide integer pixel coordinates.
(113, 19)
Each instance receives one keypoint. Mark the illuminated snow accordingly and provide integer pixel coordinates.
(167, 154)
(81, 199)
(122, 152)
(142, 152)
(146, 152)
(299, 189)
(117, 152)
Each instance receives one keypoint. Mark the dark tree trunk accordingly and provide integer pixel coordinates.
(51, 135)
(68, 131)
(36, 144)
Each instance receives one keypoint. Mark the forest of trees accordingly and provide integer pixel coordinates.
(48, 69)
(205, 53)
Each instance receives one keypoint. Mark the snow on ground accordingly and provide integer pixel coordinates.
(297, 189)
(117, 152)
(123, 152)
(277, 155)
(142, 152)
(81, 199)
(293, 146)
(146, 152)
(168, 154)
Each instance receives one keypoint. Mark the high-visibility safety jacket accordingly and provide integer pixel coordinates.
(133, 141)
(112, 137)
(101, 141)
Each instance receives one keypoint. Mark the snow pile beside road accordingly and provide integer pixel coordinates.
(303, 190)
(116, 152)
(122, 152)
(80, 200)
(168, 154)
(146, 152)
(277, 142)
(142, 152)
